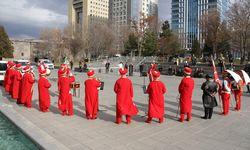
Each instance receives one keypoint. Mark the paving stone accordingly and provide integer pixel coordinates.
(61, 132)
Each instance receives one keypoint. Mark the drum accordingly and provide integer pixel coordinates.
(102, 85)
(77, 85)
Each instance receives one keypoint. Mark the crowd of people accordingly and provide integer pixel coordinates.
(20, 87)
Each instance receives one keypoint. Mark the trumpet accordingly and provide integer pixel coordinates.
(32, 73)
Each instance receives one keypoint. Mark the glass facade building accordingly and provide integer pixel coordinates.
(185, 16)
(127, 13)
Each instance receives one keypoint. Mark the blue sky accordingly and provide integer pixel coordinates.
(25, 18)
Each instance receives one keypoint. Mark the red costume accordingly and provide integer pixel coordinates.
(91, 95)
(238, 94)
(10, 78)
(225, 94)
(124, 95)
(27, 90)
(65, 98)
(185, 89)
(59, 74)
(17, 82)
(7, 74)
(156, 90)
(43, 89)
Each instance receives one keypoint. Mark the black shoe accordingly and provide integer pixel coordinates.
(204, 117)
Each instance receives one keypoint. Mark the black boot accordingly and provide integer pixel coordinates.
(206, 113)
(210, 113)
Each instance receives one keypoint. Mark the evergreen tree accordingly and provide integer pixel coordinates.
(196, 50)
(166, 32)
(168, 42)
(150, 43)
(6, 49)
(131, 44)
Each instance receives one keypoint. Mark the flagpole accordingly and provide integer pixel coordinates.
(217, 80)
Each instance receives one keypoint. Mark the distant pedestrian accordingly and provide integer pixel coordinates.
(80, 66)
(126, 65)
(156, 90)
(186, 90)
(209, 88)
(120, 65)
(107, 65)
(124, 98)
(130, 69)
(71, 64)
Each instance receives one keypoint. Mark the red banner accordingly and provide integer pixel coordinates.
(216, 77)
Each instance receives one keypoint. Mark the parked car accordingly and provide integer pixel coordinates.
(3, 67)
(24, 63)
(48, 63)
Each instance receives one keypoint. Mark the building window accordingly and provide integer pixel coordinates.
(22, 54)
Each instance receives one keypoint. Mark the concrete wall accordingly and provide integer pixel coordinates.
(25, 49)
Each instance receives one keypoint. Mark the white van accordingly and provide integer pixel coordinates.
(3, 67)
(48, 63)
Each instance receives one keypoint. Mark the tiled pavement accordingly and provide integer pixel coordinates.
(53, 131)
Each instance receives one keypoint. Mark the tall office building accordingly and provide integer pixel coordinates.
(83, 13)
(186, 14)
(123, 12)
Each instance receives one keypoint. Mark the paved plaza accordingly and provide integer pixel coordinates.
(53, 131)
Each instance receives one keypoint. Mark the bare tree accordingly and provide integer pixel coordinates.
(52, 38)
(239, 19)
(210, 24)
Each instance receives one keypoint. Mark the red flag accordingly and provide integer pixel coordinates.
(216, 78)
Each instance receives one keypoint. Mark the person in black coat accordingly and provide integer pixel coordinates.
(209, 88)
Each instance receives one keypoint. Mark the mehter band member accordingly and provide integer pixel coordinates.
(17, 82)
(43, 88)
(225, 92)
(27, 87)
(156, 90)
(65, 97)
(186, 89)
(10, 78)
(124, 98)
(91, 95)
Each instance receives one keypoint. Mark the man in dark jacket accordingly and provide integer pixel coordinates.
(209, 88)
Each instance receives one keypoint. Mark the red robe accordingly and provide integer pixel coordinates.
(124, 94)
(59, 75)
(17, 82)
(65, 98)
(238, 94)
(186, 89)
(156, 90)
(27, 90)
(6, 78)
(10, 78)
(44, 96)
(91, 97)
